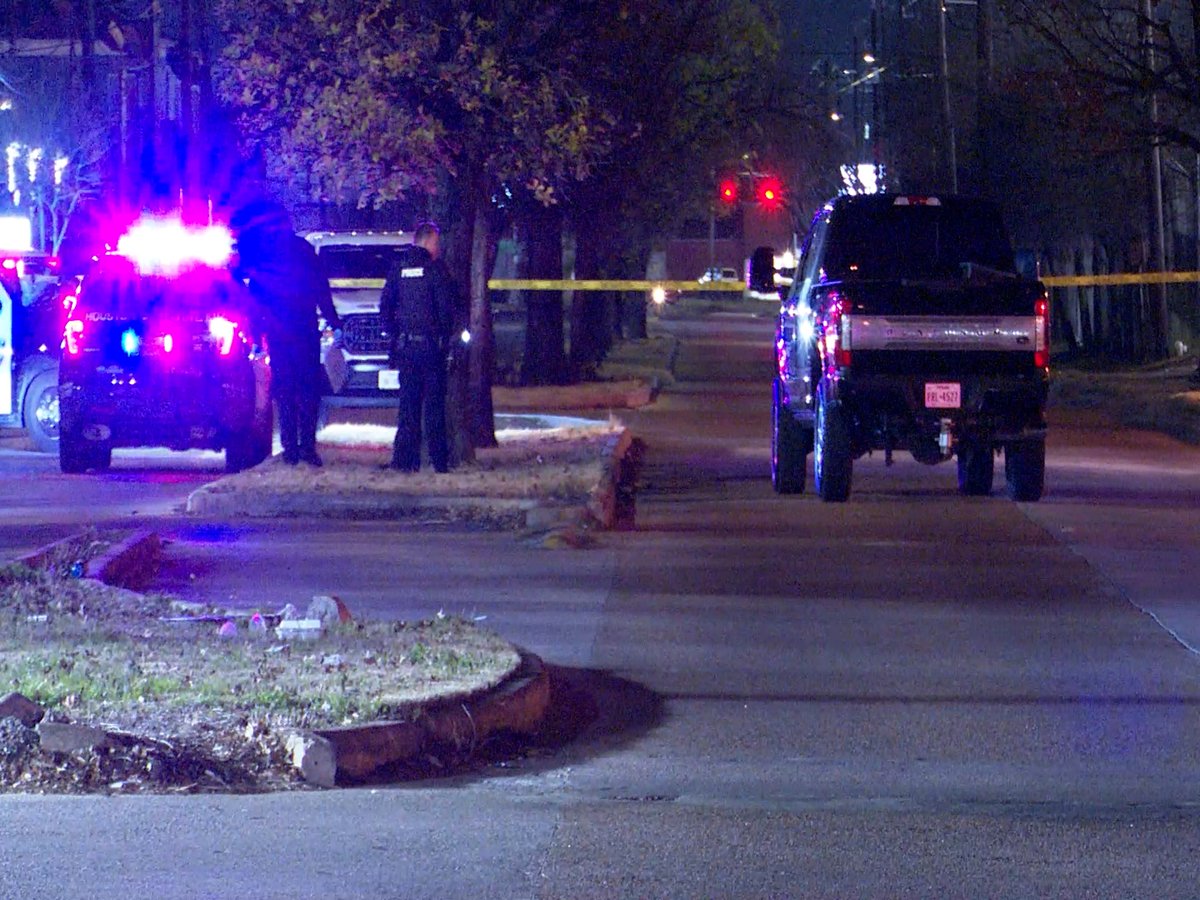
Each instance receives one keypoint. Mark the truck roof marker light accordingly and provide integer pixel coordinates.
(223, 331)
(167, 246)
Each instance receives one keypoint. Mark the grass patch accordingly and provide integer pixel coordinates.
(94, 654)
(1158, 397)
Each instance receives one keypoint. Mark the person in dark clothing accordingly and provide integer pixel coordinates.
(290, 286)
(417, 308)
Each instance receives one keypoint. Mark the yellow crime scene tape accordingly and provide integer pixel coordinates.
(1053, 281)
(352, 284)
(1112, 280)
(566, 284)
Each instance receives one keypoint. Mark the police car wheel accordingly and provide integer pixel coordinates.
(39, 411)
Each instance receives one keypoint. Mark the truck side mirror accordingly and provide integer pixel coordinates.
(762, 270)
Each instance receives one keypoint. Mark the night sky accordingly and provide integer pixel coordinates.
(815, 28)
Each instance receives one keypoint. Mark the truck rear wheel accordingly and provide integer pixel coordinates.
(1025, 470)
(976, 469)
(833, 466)
(789, 449)
(39, 411)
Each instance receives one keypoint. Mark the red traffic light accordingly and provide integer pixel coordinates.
(727, 190)
(770, 192)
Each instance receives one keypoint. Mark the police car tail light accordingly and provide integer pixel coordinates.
(168, 247)
(1041, 332)
(168, 343)
(73, 337)
(224, 333)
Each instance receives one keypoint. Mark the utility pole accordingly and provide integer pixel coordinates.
(1159, 306)
(984, 63)
(185, 86)
(88, 50)
(947, 111)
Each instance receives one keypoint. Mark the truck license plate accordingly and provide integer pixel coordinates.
(943, 395)
(389, 379)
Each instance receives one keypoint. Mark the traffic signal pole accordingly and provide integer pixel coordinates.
(712, 235)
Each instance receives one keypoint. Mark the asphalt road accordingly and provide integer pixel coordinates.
(910, 695)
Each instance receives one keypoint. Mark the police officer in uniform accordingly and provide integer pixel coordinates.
(417, 307)
(290, 286)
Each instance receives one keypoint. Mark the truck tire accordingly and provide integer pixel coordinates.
(76, 454)
(976, 469)
(789, 449)
(833, 466)
(39, 411)
(1025, 470)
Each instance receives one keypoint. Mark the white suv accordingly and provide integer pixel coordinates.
(357, 264)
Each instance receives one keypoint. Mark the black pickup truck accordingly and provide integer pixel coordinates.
(909, 328)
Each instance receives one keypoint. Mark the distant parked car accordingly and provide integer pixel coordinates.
(718, 273)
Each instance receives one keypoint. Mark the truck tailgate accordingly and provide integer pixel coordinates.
(933, 333)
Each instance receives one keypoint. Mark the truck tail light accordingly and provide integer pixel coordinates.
(1041, 332)
(837, 335)
(73, 337)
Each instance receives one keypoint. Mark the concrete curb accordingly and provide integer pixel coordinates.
(632, 392)
(602, 504)
(132, 563)
(331, 757)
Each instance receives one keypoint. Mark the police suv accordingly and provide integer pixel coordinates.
(159, 350)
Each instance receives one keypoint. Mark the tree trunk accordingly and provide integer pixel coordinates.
(456, 217)
(590, 335)
(482, 426)
(545, 360)
(633, 315)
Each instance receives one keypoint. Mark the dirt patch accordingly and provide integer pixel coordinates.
(192, 699)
